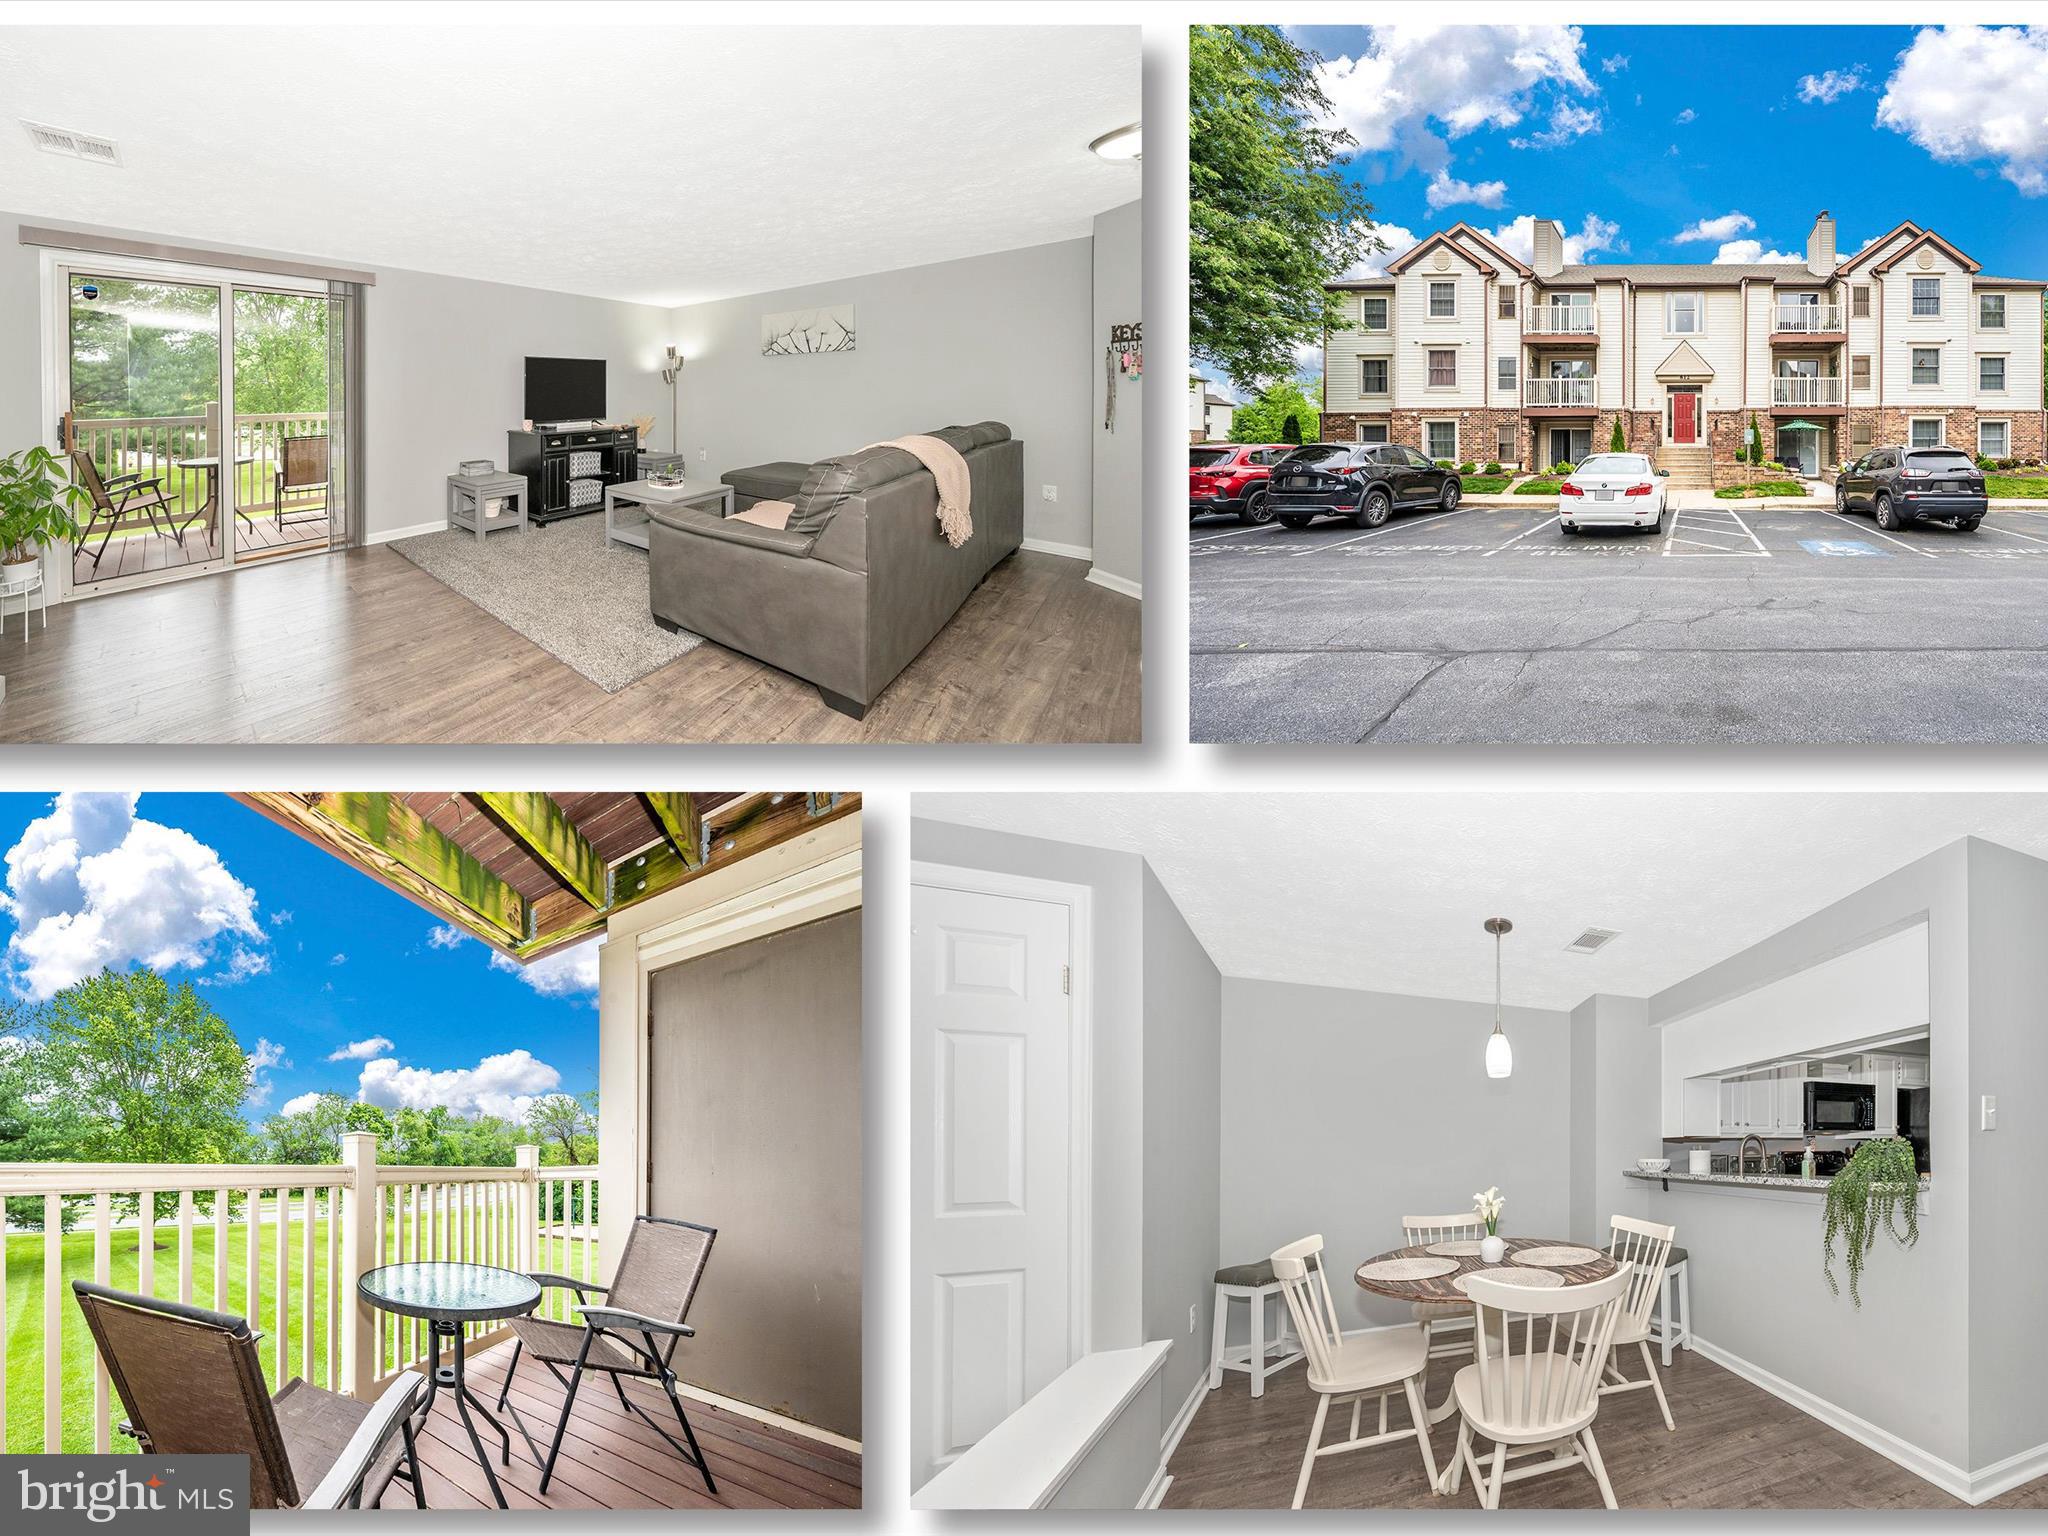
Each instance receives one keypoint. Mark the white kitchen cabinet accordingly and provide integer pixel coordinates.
(1912, 1071)
(1885, 1078)
(1791, 1094)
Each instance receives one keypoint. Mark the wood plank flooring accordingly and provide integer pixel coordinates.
(138, 553)
(1735, 1447)
(611, 1460)
(365, 647)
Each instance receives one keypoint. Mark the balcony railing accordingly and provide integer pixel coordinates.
(288, 1243)
(158, 446)
(1801, 390)
(1558, 391)
(1560, 320)
(1806, 319)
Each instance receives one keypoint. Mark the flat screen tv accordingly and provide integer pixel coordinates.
(564, 389)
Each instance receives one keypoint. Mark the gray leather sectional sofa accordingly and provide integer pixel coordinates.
(859, 582)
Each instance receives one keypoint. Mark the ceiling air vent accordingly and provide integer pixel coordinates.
(80, 146)
(1591, 940)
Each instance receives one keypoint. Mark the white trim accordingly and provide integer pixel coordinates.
(1941, 437)
(1431, 421)
(1155, 1494)
(1080, 903)
(1049, 547)
(1170, 1441)
(764, 1416)
(386, 535)
(1122, 584)
(1994, 421)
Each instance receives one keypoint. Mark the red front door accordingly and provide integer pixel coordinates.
(1684, 417)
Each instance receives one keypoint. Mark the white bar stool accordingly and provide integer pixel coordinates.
(1669, 1335)
(1253, 1283)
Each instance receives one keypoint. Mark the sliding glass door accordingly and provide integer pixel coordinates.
(282, 384)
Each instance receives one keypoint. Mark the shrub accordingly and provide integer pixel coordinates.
(1492, 466)
(1619, 440)
(1986, 463)
(1445, 464)
(1756, 441)
(1562, 469)
(1468, 468)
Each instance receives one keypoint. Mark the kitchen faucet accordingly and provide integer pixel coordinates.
(1763, 1157)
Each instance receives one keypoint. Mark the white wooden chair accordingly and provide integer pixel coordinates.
(1256, 1285)
(1534, 1382)
(1675, 1329)
(1439, 1318)
(1645, 1246)
(1340, 1369)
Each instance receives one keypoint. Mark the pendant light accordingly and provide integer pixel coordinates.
(1500, 1056)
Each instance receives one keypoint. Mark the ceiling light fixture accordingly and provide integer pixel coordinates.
(1126, 143)
(1500, 1056)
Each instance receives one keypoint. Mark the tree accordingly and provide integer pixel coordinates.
(566, 1123)
(1756, 441)
(1271, 217)
(1280, 409)
(1618, 441)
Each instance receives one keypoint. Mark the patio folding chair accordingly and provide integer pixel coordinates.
(120, 497)
(302, 466)
(649, 1296)
(191, 1383)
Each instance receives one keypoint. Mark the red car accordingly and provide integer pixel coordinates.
(1231, 477)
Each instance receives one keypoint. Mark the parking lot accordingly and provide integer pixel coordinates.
(1489, 625)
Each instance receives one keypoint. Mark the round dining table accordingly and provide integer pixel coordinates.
(1432, 1272)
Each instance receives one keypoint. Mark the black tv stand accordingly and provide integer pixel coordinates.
(544, 456)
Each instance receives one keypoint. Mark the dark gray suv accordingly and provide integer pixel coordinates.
(1910, 485)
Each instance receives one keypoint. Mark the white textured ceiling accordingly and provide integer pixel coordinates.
(1388, 891)
(593, 155)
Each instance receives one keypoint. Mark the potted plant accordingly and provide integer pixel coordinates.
(36, 498)
(1877, 1189)
(1488, 1205)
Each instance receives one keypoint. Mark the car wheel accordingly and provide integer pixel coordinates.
(1841, 497)
(1887, 518)
(1294, 522)
(1373, 511)
(1255, 511)
(1452, 492)
(1968, 524)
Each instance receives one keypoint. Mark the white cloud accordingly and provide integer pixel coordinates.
(446, 936)
(338, 959)
(1749, 253)
(91, 885)
(1726, 227)
(1686, 116)
(1446, 190)
(504, 1085)
(299, 1105)
(1831, 85)
(268, 1054)
(1594, 235)
(361, 1050)
(565, 973)
(242, 964)
(1975, 93)
(279, 919)
(1568, 121)
(1614, 64)
(1397, 238)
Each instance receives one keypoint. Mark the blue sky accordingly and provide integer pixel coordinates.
(1634, 137)
(330, 980)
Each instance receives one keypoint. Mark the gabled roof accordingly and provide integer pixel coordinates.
(1429, 243)
(1507, 258)
(1685, 363)
(1679, 274)
(1927, 237)
(1903, 227)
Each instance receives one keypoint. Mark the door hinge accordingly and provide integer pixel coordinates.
(1066, 979)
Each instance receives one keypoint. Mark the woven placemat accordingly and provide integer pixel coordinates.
(1409, 1269)
(1461, 1248)
(1559, 1256)
(1533, 1279)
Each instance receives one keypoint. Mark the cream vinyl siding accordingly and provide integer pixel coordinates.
(1610, 305)
(1418, 335)
(1950, 332)
(1342, 351)
(1863, 334)
(1720, 344)
(1757, 308)
(2020, 342)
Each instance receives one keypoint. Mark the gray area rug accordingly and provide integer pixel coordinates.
(564, 589)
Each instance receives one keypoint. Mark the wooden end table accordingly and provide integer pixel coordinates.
(467, 495)
(625, 506)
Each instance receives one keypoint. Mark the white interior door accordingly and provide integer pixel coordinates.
(991, 1056)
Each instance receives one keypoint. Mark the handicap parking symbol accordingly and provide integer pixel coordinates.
(1850, 547)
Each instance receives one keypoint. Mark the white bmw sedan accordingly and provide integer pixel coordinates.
(1612, 490)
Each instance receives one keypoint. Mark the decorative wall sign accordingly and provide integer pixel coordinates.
(1123, 358)
(799, 332)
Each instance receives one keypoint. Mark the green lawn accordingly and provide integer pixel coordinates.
(1485, 485)
(1538, 486)
(1760, 488)
(2016, 487)
(23, 1337)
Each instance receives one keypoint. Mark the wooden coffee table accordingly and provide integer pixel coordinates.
(626, 506)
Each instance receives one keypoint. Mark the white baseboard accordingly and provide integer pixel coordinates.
(386, 535)
(2023, 1467)
(1070, 551)
(1156, 1492)
(1119, 584)
(769, 1417)
(1170, 1441)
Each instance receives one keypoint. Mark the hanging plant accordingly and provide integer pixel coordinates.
(1877, 1189)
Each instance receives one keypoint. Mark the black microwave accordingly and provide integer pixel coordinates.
(1834, 1109)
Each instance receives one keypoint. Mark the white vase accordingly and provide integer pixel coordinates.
(1492, 1249)
(16, 571)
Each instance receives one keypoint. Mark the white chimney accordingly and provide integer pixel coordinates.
(1820, 246)
(1549, 247)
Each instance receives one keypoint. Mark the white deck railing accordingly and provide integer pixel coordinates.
(1803, 390)
(288, 1243)
(1558, 391)
(1806, 319)
(158, 446)
(1560, 320)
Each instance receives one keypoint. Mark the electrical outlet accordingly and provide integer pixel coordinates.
(1987, 1119)
(1048, 493)
(703, 455)
(1193, 1315)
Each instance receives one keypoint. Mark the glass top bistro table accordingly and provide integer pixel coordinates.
(1545, 1262)
(449, 1295)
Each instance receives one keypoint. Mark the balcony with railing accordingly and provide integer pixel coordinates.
(130, 537)
(1807, 392)
(1807, 324)
(1575, 394)
(1561, 324)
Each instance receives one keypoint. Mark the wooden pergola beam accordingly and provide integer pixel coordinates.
(676, 810)
(537, 822)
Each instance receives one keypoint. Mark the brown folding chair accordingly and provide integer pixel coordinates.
(121, 497)
(302, 467)
(192, 1385)
(633, 1332)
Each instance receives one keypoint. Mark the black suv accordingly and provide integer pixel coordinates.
(1366, 482)
(1911, 485)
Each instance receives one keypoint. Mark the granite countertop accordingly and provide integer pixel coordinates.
(1740, 1181)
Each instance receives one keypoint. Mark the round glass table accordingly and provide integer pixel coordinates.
(449, 1295)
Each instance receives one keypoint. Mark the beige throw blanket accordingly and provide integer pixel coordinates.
(949, 469)
(767, 514)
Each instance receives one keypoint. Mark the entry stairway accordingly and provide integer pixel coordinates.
(1690, 466)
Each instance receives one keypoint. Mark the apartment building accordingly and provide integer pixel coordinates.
(1469, 353)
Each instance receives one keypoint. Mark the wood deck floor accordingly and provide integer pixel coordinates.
(611, 1460)
(1735, 1447)
(136, 554)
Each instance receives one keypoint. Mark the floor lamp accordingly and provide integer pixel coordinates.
(671, 371)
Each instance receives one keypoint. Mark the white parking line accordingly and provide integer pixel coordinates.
(1519, 537)
(1873, 528)
(2014, 533)
(1238, 532)
(1391, 527)
(1700, 520)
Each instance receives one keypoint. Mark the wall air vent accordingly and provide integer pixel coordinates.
(79, 146)
(1591, 940)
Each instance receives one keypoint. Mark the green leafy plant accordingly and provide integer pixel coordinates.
(1877, 1190)
(36, 501)
(1618, 440)
(1756, 441)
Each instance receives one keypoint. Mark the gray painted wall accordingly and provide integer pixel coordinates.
(1119, 455)
(1616, 1081)
(1343, 1111)
(1003, 337)
(1183, 1141)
